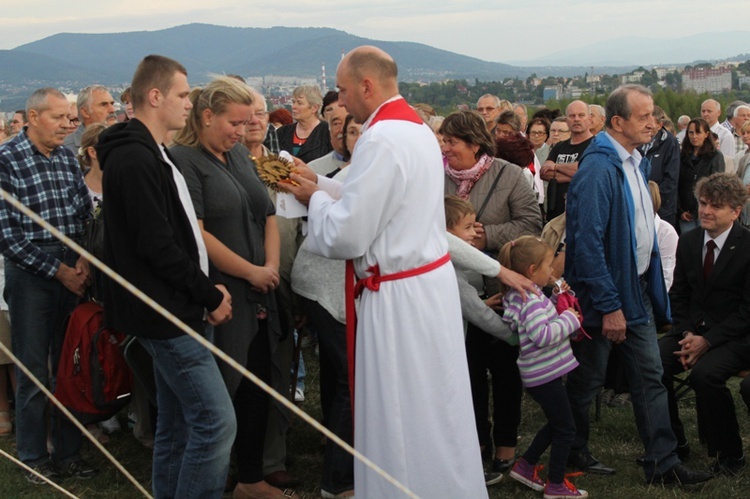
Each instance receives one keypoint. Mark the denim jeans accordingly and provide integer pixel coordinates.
(196, 424)
(643, 368)
(338, 465)
(38, 308)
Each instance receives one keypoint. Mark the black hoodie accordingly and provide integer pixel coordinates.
(148, 238)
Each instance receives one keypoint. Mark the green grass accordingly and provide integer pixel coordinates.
(614, 440)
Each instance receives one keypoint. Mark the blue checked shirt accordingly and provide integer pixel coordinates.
(53, 188)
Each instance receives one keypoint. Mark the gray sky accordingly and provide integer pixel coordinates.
(499, 31)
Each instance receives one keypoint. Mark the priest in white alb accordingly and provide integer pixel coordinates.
(413, 414)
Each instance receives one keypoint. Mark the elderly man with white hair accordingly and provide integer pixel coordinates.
(95, 105)
(596, 113)
(710, 111)
(739, 116)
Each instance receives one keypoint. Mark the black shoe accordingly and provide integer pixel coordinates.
(491, 478)
(728, 466)
(503, 465)
(681, 475)
(584, 461)
(80, 469)
(683, 452)
(47, 469)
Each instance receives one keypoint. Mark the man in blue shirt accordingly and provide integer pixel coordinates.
(43, 277)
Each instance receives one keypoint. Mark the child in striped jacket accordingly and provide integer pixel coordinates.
(545, 356)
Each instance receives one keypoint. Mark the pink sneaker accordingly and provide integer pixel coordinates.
(527, 474)
(563, 490)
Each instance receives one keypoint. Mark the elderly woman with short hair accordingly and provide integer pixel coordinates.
(506, 209)
(307, 138)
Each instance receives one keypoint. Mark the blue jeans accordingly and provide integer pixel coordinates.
(643, 368)
(38, 308)
(196, 424)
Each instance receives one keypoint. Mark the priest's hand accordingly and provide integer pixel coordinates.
(300, 187)
(301, 169)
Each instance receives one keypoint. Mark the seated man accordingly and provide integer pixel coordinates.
(711, 310)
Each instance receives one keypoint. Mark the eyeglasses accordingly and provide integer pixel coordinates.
(538, 133)
(504, 133)
(559, 131)
(485, 109)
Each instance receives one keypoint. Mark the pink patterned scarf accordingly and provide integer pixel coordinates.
(467, 178)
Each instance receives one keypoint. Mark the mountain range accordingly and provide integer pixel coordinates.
(205, 49)
(74, 59)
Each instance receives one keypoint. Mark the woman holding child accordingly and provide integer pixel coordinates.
(506, 208)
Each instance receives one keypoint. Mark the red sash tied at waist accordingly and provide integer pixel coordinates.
(353, 289)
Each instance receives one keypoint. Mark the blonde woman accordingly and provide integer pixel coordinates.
(238, 224)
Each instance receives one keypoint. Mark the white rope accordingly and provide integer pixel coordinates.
(27, 468)
(73, 419)
(203, 341)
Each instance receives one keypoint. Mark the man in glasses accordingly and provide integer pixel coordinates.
(488, 106)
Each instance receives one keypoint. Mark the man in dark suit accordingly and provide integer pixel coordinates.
(711, 311)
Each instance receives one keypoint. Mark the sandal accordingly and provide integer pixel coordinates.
(6, 427)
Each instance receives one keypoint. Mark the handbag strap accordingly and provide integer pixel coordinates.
(492, 190)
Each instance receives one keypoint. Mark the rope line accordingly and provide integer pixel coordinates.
(28, 468)
(200, 339)
(74, 420)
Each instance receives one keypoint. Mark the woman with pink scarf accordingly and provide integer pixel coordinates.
(506, 209)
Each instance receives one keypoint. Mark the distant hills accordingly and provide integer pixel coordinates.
(73, 60)
(206, 49)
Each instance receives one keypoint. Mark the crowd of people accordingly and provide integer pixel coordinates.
(460, 258)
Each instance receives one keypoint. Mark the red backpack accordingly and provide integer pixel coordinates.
(93, 380)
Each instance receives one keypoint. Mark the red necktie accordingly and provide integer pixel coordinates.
(708, 261)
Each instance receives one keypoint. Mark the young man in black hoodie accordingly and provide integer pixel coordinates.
(152, 239)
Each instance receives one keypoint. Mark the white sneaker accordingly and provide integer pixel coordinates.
(111, 425)
(299, 395)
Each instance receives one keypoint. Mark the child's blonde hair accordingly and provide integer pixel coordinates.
(455, 209)
(520, 254)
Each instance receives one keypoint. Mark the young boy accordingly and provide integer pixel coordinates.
(470, 262)
(459, 220)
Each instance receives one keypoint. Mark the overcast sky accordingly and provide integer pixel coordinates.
(499, 31)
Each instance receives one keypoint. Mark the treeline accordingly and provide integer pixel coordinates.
(446, 97)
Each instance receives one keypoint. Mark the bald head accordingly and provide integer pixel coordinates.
(372, 62)
(366, 77)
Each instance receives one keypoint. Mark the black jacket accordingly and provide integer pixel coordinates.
(148, 238)
(317, 145)
(664, 153)
(690, 173)
(718, 308)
